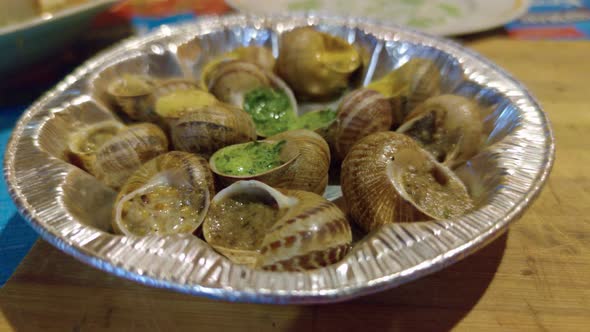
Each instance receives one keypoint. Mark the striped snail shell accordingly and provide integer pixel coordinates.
(132, 93)
(124, 153)
(448, 126)
(83, 143)
(305, 163)
(387, 178)
(169, 194)
(254, 224)
(210, 128)
(408, 86)
(360, 113)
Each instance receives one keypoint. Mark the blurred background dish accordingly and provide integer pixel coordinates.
(439, 17)
(31, 29)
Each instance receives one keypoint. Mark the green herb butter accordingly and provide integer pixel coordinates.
(270, 110)
(249, 158)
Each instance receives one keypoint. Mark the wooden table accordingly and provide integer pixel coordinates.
(535, 277)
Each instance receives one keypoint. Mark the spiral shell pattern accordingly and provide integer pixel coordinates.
(361, 113)
(312, 234)
(169, 194)
(210, 128)
(448, 126)
(123, 154)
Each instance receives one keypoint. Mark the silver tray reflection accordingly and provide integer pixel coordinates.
(71, 209)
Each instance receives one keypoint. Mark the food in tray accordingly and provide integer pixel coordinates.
(276, 229)
(387, 177)
(316, 65)
(167, 195)
(113, 156)
(407, 86)
(448, 126)
(295, 159)
(239, 126)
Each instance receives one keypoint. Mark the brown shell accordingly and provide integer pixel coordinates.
(361, 113)
(371, 183)
(231, 80)
(210, 128)
(307, 161)
(408, 86)
(123, 154)
(316, 65)
(181, 170)
(84, 143)
(258, 55)
(309, 232)
(448, 126)
(313, 234)
(136, 105)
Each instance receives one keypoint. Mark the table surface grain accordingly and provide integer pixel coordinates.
(535, 277)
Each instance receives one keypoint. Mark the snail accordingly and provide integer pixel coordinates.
(448, 126)
(133, 95)
(174, 97)
(251, 88)
(169, 194)
(296, 159)
(316, 65)
(257, 55)
(83, 143)
(407, 86)
(207, 129)
(254, 224)
(125, 152)
(360, 113)
(386, 177)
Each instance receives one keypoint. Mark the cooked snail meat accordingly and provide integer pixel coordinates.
(170, 194)
(257, 225)
(386, 177)
(448, 126)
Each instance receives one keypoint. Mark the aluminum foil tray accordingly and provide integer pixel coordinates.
(71, 209)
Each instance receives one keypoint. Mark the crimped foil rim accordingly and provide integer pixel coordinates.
(301, 285)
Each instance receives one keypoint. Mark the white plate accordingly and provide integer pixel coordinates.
(26, 41)
(439, 17)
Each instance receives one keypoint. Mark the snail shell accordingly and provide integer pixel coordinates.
(133, 95)
(258, 55)
(230, 81)
(361, 113)
(306, 161)
(448, 126)
(167, 195)
(124, 153)
(408, 86)
(387, 178)
(174, 97)
(254, 224)
(316, 65)
(210, 128)
(84, 143)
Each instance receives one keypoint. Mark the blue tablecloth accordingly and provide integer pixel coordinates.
(16, 237)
